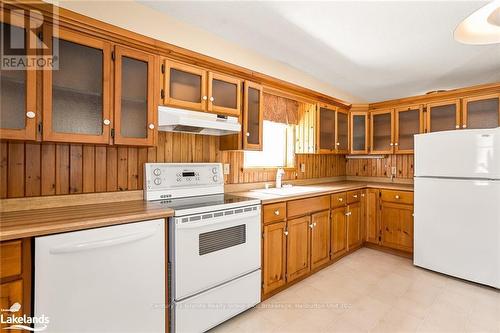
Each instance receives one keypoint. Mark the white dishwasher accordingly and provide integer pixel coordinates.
(109, 279)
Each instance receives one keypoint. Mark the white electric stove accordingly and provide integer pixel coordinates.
(214, 244)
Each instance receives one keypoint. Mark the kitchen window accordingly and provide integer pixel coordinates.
(278, 147)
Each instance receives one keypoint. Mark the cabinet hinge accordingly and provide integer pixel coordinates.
(40, 36)
(40, 127)
(162, 94)
(163, 68)
(113, 133)
(113, 57)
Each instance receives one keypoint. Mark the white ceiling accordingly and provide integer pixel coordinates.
(372, 49)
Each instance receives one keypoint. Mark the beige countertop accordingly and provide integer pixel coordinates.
(38, 222)
(325, 188)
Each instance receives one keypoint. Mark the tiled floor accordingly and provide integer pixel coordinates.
(371, 291)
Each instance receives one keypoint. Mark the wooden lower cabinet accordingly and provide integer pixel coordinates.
(15, 277)
(338, 232)
(320, 239)
(354, 238)
(274, 256)
(298, 255)
(396, 222)
(372, 226)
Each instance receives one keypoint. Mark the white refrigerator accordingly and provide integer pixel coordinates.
(457, 204)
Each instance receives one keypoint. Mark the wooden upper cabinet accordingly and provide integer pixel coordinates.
(135, 105)
(224, 94)
(77, 92)
(443, 116)
(306, 131)
(342, 132)
(253, 115)
(18, 113)
(358, 132)
(408, 122)
(381, 129)
(481, 111)
(326, 125)
(184, 86)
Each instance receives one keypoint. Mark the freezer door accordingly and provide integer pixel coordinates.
(108, 279)
(457, 228)
(458, 154)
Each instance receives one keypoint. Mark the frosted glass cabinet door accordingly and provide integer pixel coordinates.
(326, 133)
(381, 132)
(252, 116)
(224, 94)
(359, 129)
(481, 112)
(342, 131)
(185, 86)
(409, 121)
(443, 116)
(77, 91)
(134, 97)
(17, 85)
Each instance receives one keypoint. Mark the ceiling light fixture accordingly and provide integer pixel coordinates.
(481, 27)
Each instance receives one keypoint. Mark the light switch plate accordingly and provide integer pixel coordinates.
(226, 168)
(302, 167)
(393, 170)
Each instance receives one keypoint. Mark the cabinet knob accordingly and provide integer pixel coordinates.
(204, 98)
(212, 99)
(248, 134)
(391, 144)
(106, 122)
(340, 199)
(311, 225)
(30, 114)
(397, 196)
(457, 126)
(363, 195)
(396, 144)
(355, 196)
(338, 143)
(464, 126)
(151, 126)
(314, 224)
(277, 212)
(286, 233)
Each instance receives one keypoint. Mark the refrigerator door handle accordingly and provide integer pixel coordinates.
(85, 246)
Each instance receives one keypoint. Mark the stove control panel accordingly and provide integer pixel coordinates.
(171, 180)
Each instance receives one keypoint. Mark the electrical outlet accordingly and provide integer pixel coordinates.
(393, 171)
(302, 167)
(226, 168)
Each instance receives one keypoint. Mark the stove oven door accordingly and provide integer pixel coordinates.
(212, 248)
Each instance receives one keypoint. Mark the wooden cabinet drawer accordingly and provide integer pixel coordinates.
(339, 199)
(10, 258)
(274, 212)
(353, 196)
(403, 197)
(309, 205)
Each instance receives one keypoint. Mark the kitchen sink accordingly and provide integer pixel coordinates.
(289, 190)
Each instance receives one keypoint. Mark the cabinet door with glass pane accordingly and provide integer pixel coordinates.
(381, 125)
(359, 132)
(185, 86)
(76, 93)
(224, 94)
(18, 114)
(443, 116)
(342, 132)
(326, 120)
(253, 111)
(135, 109)
(481, 112)
(409, 121)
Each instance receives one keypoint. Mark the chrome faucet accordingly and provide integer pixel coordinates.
(279, 174)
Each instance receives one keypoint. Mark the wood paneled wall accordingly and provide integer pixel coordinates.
(381, 167)
(38, 169)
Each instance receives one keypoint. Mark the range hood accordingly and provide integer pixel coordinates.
(180, 120)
